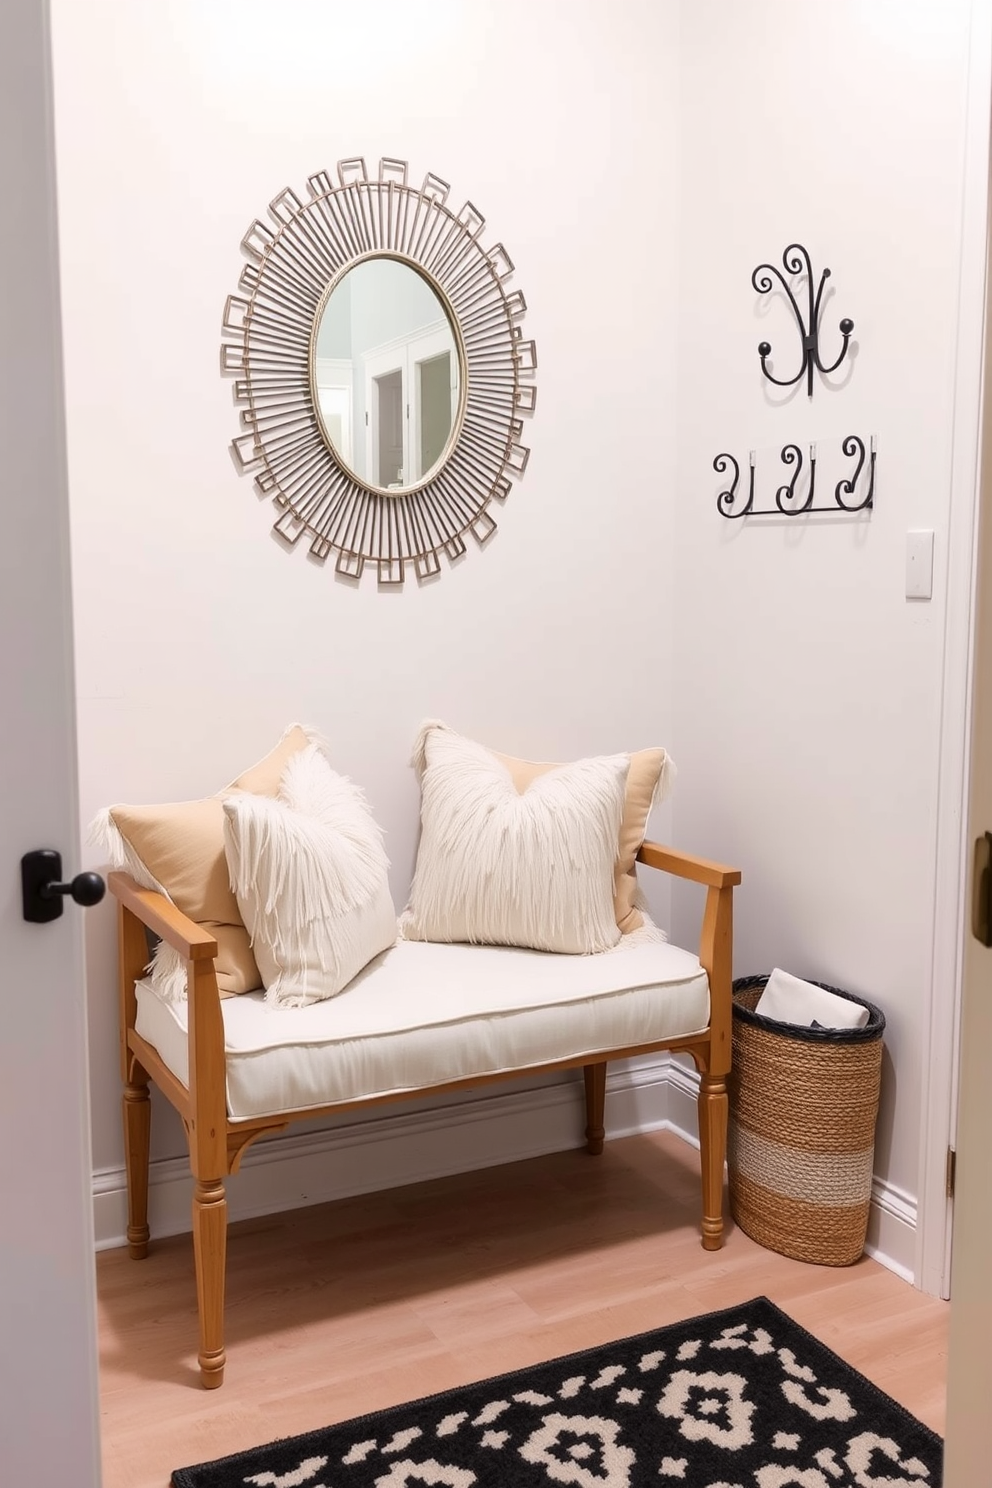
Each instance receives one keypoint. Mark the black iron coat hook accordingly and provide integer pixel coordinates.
(796, 261)
(728, 502)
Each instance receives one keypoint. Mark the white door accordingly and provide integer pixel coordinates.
(387, 402)
(48, 1372)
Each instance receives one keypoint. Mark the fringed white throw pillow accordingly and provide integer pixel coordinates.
(503, 867)
(310, 875)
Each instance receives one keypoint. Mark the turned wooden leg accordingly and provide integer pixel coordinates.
(137, 1111)
(712, 1155)
(210, 1251)
(595, 1075)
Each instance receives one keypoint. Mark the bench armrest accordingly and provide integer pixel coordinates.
(163, 918)
(205, 1029)
(716, 940)
(684, 865)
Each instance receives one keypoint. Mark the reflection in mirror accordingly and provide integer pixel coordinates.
(386, 374)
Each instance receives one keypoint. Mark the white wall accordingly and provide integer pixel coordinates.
(808, 689)
(638, 160)
(198, 637)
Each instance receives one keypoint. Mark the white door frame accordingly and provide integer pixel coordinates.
(941, 1014)
(402, 355)
(424, 348)
(376, 364)
(969, 1371)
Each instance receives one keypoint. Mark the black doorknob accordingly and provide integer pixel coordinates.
(42, 892)
(85, 889)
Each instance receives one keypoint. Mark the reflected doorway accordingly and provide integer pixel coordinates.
(388, 411)
(434, 385)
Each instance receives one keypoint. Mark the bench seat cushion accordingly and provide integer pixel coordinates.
(422, 1015)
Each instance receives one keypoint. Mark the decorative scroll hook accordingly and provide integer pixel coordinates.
(791, 455)
(846, 488)
(726, 500)
(796, 260)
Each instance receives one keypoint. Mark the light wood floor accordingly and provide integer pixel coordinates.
(344, 1308)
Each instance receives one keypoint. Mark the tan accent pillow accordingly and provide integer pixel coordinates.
(179, 848)
(263, 779)
(649, 769)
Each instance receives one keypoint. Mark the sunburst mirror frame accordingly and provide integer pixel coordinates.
(268, 333)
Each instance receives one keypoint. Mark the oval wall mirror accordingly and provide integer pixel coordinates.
(387, 373)
(380, 370)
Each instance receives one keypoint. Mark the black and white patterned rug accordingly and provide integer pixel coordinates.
(743, 1398)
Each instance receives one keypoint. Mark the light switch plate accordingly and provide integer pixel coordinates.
(919, 565)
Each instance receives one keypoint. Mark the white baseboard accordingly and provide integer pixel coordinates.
(683, 1091)
(891, 1238)
(892, 1223)
(391, 1148)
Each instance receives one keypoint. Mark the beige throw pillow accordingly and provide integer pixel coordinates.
(311, 879)
(507, 867)
(178, 849)
(648, 780)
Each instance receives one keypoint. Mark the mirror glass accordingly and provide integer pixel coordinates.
(385, 370)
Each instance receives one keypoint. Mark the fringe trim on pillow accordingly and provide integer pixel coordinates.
(647, 934)
(419, 757)
(167, 969)
(299, 870)
(666, 781)
(324, 863)
(314, 736)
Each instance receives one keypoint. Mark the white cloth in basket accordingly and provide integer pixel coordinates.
(791, 1000)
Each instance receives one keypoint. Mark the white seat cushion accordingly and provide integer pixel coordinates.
(422, 1015)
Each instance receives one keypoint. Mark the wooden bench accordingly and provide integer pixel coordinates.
(196, 1081)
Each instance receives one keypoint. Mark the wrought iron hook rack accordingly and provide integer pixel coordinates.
(796, 260)
(728, 502)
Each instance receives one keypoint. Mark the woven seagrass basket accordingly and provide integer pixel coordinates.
(803, 1105)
